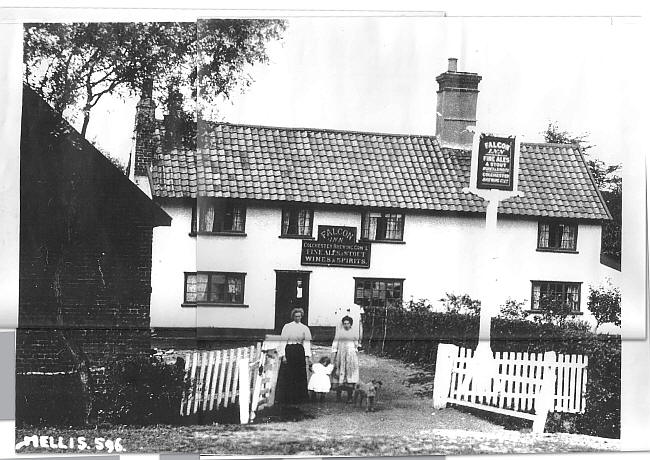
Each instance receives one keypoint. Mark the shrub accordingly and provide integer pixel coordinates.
(605, 304)
(421, 305)
(462, 304)
(413, 336)
(513, 309)
(554, 310)
(48, 400)
(142, 391)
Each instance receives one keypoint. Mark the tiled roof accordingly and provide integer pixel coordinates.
(368, 169)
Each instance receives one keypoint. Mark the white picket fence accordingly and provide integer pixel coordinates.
(525, 385)
(246, 376)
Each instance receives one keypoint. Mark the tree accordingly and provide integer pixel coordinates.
(74, 65)
(555, 135)
(605, 304)
(608, 181)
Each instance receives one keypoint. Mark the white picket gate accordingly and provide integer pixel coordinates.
(526, 385)
(245, 376)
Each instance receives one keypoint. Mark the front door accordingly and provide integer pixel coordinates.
(291, 291)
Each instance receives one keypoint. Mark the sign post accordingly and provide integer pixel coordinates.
(494, 177)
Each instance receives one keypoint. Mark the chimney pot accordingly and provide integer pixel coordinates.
(453, 65)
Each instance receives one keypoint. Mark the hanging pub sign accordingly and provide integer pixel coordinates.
(496, 162)
(336, 246)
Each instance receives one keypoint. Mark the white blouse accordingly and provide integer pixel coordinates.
(295, 333)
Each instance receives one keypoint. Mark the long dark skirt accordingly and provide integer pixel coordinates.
(292, 379)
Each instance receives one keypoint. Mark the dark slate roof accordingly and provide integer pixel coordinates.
(368, 169)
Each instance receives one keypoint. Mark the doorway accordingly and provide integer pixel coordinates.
(291, 291)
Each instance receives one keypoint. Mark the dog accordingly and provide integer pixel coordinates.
(366, 393)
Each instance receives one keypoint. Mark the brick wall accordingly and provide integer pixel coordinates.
(104, 280)
(101, 299)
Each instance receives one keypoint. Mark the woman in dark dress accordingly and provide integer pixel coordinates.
(295, 351)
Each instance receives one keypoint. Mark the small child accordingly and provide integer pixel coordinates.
(319, 383)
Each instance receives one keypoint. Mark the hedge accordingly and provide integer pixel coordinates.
(49, 400)
(142, 391)
(413, 335)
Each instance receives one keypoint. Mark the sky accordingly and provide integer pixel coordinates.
(378, 74)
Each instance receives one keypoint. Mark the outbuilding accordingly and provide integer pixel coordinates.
(85, 268)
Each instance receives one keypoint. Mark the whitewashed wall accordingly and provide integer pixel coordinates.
(173, 254)
(440, 254)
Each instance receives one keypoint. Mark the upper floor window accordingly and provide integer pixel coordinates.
(556, 296)
(382, 226)
(297, 221)
(557, 236)
(214, 288)
(218, 215)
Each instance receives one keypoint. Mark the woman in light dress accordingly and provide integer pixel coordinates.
(346, 359)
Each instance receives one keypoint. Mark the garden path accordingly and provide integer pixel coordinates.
(404, 424)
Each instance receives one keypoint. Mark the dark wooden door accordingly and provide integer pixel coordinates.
(291, 291)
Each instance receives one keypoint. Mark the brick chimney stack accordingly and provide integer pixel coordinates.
(456, 107)
(145, 127)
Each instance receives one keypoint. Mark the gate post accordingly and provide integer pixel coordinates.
(447, 353)
(546, 394)
(244, 391)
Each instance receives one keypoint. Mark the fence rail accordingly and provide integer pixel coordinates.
(245, 376)
(525, 385)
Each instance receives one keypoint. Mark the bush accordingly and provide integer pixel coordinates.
(142, 391)
(554, 310)
(413, 336)
(513, 309)
(463, 304)
(605, 304)
(49, 400)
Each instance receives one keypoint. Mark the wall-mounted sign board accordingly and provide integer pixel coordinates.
(336, 246)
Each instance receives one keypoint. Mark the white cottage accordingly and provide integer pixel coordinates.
(247, 205)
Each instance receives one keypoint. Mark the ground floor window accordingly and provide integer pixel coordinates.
(378, 292)
(556, 295)
(214, 287)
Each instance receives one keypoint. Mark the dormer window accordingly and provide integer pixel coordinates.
(557, 236)
(297, 221)
(382, 226)
(218, 215)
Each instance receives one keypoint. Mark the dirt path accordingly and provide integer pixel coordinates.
(404, 424)
(401, 408)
